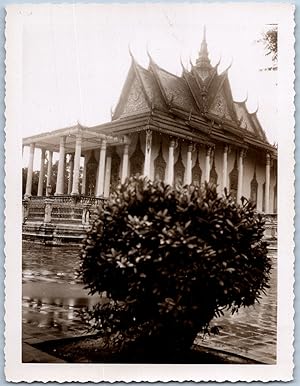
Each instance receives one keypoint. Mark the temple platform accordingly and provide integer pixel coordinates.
(57, 220)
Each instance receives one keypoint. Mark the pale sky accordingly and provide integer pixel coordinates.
(75, 57)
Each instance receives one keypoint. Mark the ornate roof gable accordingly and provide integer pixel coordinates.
(247, 121)
(133, 98)
(221, 103)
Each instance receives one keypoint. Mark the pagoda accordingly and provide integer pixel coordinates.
(180, 129)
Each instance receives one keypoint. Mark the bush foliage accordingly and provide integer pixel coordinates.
(171, 259)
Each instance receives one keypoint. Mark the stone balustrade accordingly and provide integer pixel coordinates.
(60, 209)
(271, 226)
(68, 217)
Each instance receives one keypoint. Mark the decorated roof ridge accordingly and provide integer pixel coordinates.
(253, 118)
(214, 86)
(137, 68)
(152, 62)
(198, 101)
(227, 68)
(168, 95)
(152, 101)
(184, 69)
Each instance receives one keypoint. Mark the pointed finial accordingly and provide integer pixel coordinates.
(147, 50)
(203, 60)
(246, 98)
(218, 62)
(130, 52)
(111, 112)
(257, 107)
(204, 32)
(182, 65)
(229, 66)
(203, 48)
(148, 54)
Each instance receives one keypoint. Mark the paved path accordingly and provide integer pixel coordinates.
(52, 298)
(251, 332)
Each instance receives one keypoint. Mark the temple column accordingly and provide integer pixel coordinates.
(75, 182)
(107, 175)
(30, 171)
(83, 186)
(170, 175)
(41, 174)
(267, 186)
(101, 170)
(49, 172)
(188, 170)
(60, 170)
(207, 163)
(124, 172)
(148, 147)
(71, 171)
(240, 175)
(225, 168)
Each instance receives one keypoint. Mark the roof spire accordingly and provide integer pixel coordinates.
(203, 60)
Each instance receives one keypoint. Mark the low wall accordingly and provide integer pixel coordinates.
(65, 219)
(58, 220)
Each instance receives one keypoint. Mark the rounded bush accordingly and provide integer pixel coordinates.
(170, 259)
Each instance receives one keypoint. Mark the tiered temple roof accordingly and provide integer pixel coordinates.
(199, 98)
(197, 106)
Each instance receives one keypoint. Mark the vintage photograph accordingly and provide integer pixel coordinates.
(153, 186)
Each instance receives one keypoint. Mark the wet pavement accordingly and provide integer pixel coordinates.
(53, 295)
(252, 331)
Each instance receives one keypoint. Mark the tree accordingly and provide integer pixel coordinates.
(170, 260)
(270, 41)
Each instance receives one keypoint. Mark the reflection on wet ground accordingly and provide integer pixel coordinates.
(42, 263)
(53, 296)
(52, 293)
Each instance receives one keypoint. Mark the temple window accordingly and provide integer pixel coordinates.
(179, 170)
(233, 180)
(159, 166)
(213, 177)
(196, 173)
(275, 199)
(263, 196)
(137, 160)
(253, 189)
(115, 168)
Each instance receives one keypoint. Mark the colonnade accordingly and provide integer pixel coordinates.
(105, 161)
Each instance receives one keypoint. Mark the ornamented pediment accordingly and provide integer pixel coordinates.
(243, 117)
(219, 106)
(159, 166)
(137, 160)
(136, 100)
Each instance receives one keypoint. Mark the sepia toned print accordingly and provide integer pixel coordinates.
(151, 181)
